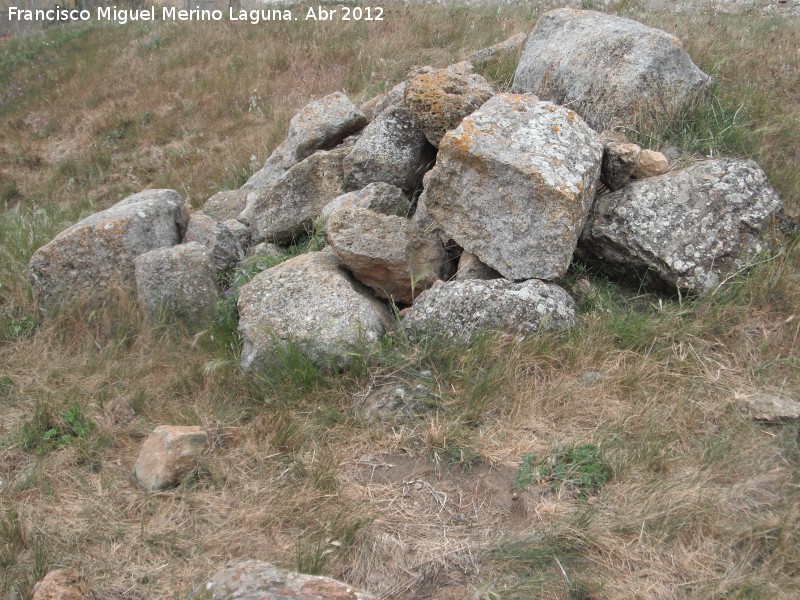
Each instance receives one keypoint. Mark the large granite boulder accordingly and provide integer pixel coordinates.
(391, 149)
(390, 254)
(313, 303)
(287, 208)
(379, 197)
(611, 70)
(688, 229)
(255, 580)
(439, 98)
(513, 185)
(168, 455)
(98, 252)
(177, 283)
(460, 310)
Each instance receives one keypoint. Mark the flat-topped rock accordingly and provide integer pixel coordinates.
(460, 310)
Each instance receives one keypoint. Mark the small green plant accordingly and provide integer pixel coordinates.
(579, 468)
(45, 431)
(526, 473)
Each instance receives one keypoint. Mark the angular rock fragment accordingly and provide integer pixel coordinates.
(378, 197)
(650, 163)
(308, 301)
(769, 407)
(396, 402)
(507, 47)
(255, 580)
(168, 455)
(177, 283)
(98, 252)
(391, 149)
(460, 310)
(226, 240)
(619, 162)
(62, 584)
(390, 254)
(287, 209)
(320, 125)
(439, 98)
(513, 185)
(375, 106)
(611, 70)
(690, 229)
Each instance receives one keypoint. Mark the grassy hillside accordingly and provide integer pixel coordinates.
(613, 461)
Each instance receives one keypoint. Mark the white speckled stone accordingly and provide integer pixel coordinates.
(688, 229)
(460, 310)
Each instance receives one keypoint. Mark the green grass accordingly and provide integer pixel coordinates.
(642, 390)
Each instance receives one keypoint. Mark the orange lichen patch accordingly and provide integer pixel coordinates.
(571, 114)
(555, 128)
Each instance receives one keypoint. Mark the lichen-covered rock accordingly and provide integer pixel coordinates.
(688, 229)
(255, 580)
(400, 401)
(226, 204)
(225, 240)
(460, 310)
(611, 70)
(62, 584)
(378, 197)
(288, 208)
(390, 254)
(471, 267)
(313, 303)
(391, 149)
(320, 125)
(168, 455)
(513, 185)
(177, 283)
(98, 252)
(439, 98)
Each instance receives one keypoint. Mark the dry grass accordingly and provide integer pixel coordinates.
(702, 502)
